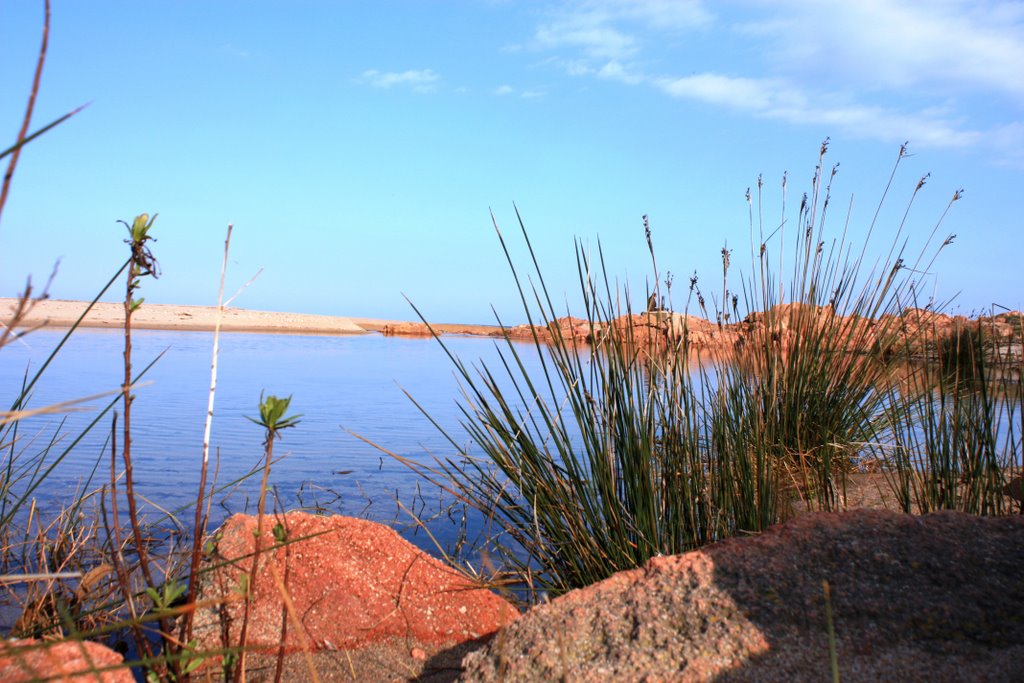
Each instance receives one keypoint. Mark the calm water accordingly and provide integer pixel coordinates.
(339, 385)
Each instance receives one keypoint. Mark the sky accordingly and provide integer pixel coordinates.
(359, 148)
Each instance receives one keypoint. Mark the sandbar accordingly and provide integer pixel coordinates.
(110, 315)
(61, 313)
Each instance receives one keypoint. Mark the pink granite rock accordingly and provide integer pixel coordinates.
(930, 598)
(350, 582)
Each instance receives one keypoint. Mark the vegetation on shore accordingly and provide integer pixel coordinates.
(633, 441)
(95, 570)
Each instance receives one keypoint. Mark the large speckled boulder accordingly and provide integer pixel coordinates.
(933, 598)
(350, 583)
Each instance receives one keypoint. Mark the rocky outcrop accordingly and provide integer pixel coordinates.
(407, 330)
(66, 660)
(914, 331)
(931, 598)
(349, 583)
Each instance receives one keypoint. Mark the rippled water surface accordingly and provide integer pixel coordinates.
(340, 385)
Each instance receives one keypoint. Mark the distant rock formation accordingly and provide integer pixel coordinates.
(406, 330)
(909, 333)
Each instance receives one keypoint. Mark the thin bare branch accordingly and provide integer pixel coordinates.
(28, 110)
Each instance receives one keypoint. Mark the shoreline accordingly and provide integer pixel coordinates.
(63, 313)
(647, 327)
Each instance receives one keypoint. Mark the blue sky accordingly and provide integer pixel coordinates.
(358, 146)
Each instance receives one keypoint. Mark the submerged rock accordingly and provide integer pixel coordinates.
(65, 660)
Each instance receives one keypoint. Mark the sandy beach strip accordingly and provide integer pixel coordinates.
(62, 313)
(59, 313)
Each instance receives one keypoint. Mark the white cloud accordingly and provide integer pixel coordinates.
(886, 70)
(577, 67)
(605, 29)
(571, 67)
(662, 14)
(656, 14)
(615, 71)
(886, 125)
(595, 40)
(776, 99)
(505, 90)
(737, 93)
(941, 46)
(422, 81)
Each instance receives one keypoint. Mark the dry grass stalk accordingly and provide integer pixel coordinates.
(199, 524)
(9, 175)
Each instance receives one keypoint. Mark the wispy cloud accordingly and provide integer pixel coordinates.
(945, 46)
(506, 90)
(594, 40)
(777, 99)
(886, 69)
(605, 29)
(421, 81)
(615, 71)
(235, 51)
(737, 93)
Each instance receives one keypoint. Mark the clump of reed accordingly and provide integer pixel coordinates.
(955, 422)
(960, 352)
(642, 444)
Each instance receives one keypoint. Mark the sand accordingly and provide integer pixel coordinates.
(62, 313)
(59, 313)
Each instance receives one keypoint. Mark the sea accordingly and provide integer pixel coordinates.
(360, 400)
